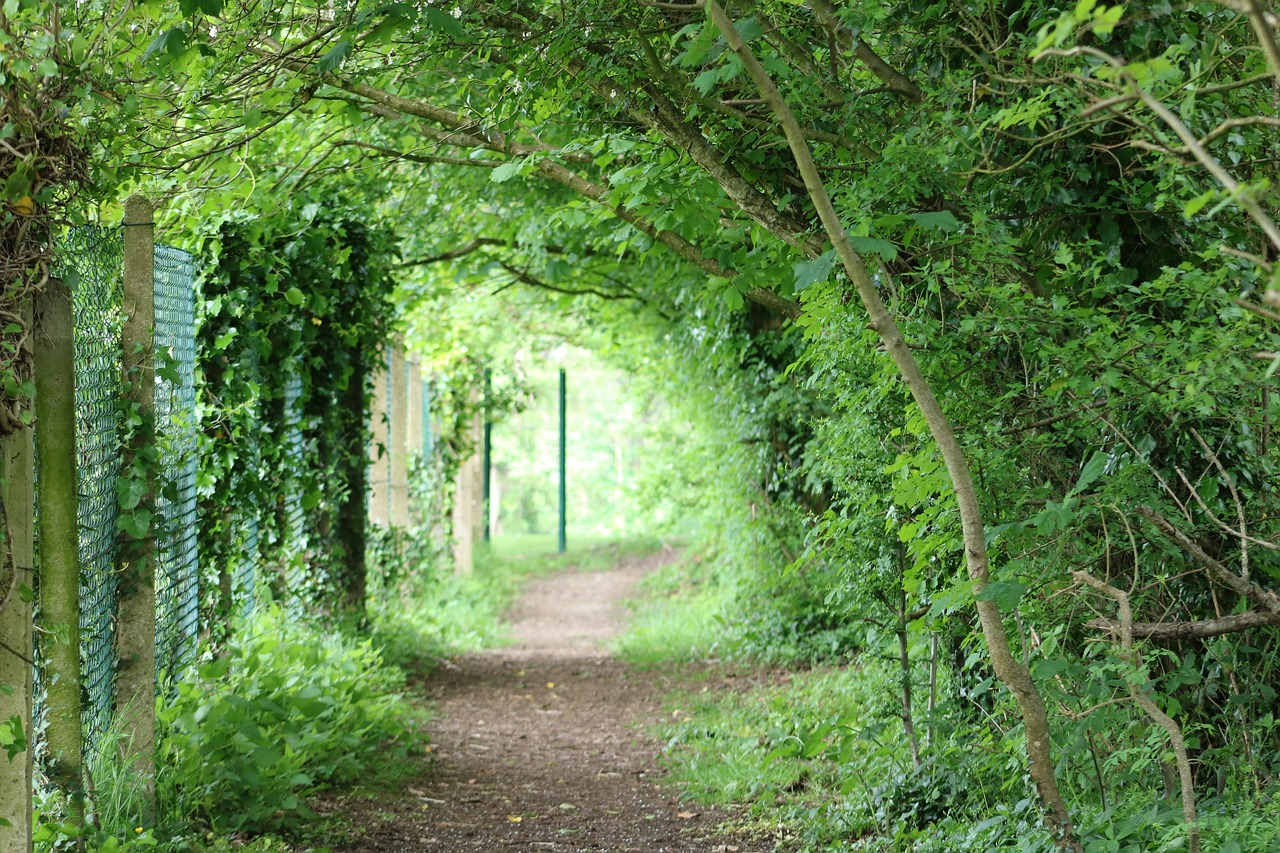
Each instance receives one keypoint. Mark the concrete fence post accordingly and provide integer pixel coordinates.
(398, 444)
(136, 634)
(59, 503)
(17, 559)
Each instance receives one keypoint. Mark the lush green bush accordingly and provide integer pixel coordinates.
(285, 711)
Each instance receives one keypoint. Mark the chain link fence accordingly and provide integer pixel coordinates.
(177, 569)
(91, 264)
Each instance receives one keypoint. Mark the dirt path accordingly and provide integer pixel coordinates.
(540, 746)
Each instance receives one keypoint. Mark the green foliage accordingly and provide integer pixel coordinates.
(292, 323)
(284, 712)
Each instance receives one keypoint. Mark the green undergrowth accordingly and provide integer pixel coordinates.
(445, 614)
(817, 754)
(247, 738)
(819, 757)
(678, 616)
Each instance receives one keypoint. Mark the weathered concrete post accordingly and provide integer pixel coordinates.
(59, 501)
(398, 437)
(136, 634)
(414, 424)
(468, 518)
(380, 450)
(17, 491)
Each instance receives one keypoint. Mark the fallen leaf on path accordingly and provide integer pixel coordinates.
(686, 815)
(515, 818)
(551, 685)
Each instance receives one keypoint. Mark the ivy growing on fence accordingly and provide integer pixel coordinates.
(295, 314)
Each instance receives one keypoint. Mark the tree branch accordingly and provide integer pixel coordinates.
(896, 81)
(1196, 630)
(1262, 598)
(1142, 696)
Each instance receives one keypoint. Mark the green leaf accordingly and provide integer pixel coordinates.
(937, 220)
(1046, 669)
(506, 171)
(438, 19)
(172, 42)
(47, 67)
(865, 245)
(189, 8)
(334, 57)
(1006, 594)
(1194, 206)
(312, 499)
(809, 273)
(135, 523)
(1090, 472)
(294, 296)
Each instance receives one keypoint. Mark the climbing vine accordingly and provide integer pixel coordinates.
(294, 319)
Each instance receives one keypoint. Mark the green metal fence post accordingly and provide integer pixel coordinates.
(561, 539)
(487, 461)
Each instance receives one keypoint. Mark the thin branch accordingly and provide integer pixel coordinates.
(897, 82)
(1197, 630)
(1142, 696)
(1262, 598)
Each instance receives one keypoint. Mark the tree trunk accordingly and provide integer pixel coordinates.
(1008, 669)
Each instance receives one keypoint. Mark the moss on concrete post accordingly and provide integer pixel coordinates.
(136, 634)
(17, 491)
(58, 497)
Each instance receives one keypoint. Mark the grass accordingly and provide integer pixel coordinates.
(449, 614)
(678, 618)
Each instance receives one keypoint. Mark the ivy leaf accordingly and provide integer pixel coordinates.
(135, 523)
(865, 245)
(129, 491)
(334, 58)
(12, 736)
(809, 273)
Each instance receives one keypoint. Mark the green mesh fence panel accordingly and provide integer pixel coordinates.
(295, 539)
(177, 575)
(91, 262)
(249, 542)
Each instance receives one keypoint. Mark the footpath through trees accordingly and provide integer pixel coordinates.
(542, 745)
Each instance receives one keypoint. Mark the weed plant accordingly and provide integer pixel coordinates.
(285, 712)
(820, 756)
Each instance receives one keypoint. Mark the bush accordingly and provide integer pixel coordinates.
(284, 713)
